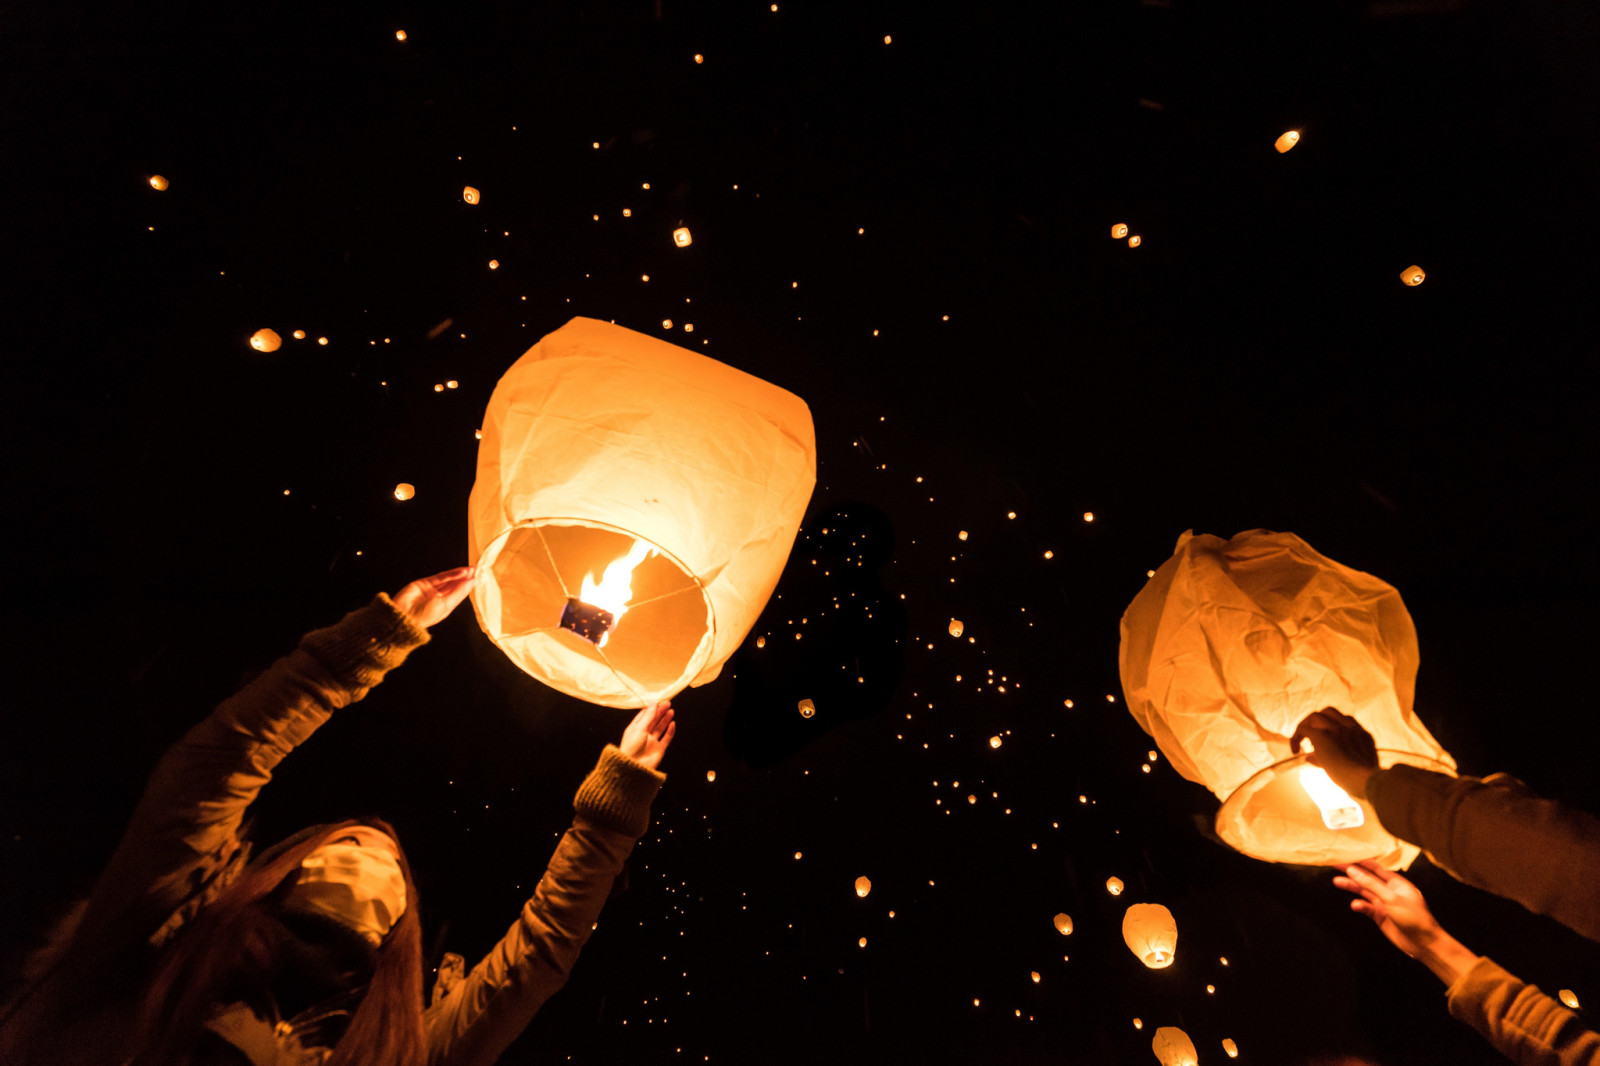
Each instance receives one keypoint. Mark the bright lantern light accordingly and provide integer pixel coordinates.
(1412, 275)
(1119, 231)
(1174, 1048)
(615, 588)
(1063, 924)
(265, 340)
(994, 742)
(471, 195)
(956, 628)
(158, 183)
(681, 237)
(399, 35)
(1287, 141)
(1231, 1048)
(1134, 241)
(299, 334)
(1151, 933)
(1569, 998)
(1339, 811)
(863, 886)
(1114, 884)
(807, 709)
(404, 491)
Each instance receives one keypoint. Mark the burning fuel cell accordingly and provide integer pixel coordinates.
(589, 622)
(595, 612)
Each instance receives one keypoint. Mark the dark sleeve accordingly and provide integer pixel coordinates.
(186, 825)
(1496, 835)
(1523, 1024)
(480, 1017)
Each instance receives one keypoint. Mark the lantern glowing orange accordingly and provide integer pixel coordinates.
(399, 35)
(1151, 933)
(158, 183)
(863, 886)
(404, 491)
(265, 340)
(1119, 231)
(470, 195)
(1230, 645)
(1135, 240)
(681, 237)
(1063, 924)
(994, 742)
(1568, 997)
(1412, 275)
(1174, 1048)
(1231, 1048)
(711, 775)
(1114, 885)
(604, 446)
(807, 708)
(299, 334)
(1287, 141)
(956, 628)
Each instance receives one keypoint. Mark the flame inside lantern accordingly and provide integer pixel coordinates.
(1339, 811)
(611, 594)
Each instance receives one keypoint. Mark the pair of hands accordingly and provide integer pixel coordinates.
(429, 601)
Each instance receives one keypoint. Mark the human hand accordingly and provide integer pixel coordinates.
(1402, 915)
(429, 600)
(1340, 746)
(647, 736)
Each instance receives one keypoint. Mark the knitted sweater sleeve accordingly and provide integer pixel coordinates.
(1496, 835)
(186, 825)
(1524, 1024)
(478, 1019)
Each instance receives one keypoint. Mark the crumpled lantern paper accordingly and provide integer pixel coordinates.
(1232, 643)
(598, 436)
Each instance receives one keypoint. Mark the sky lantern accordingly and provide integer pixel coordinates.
(1119, 231)
(1412, 275)
(299, 334)
(1135, 240)
(158, 183)
(1151, 933)
(681, 237)
(265, 340)
(399, 35)
(1063, 924)
(1231, 644)
(994, 741)
(1569, 998)
(863, 886)
(470, 195)
(404, 491)
(956, 628)
(1114, 885)
(807, 708)
(1231, 1048)
(1174, 1048)
(1287, 141)
(634, 507)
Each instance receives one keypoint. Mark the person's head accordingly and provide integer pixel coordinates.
(350, 879)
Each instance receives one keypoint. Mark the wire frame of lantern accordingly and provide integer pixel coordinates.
(1151, 933)
(602, 444)
(1173, 1047)
(1228, 648)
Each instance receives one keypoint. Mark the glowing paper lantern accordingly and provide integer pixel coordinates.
(404, 491)
(807, 709)
(1114, 886)
(599, 445)
(1412, 275)
(1063, 924)
(1134, 241)
(494, 264)
(711, 775)
(1231, 644)
(994, 742)
(158, 183)
(1569, 998)
(1174, 1048)
(1151, 933)
(681, 237)
(399, 35)
(956, 628)
(863, 886)
(1119, 231)
(265, 340)
(1287, 141)
(470, 195)
(1231, 1048)
(299, 334)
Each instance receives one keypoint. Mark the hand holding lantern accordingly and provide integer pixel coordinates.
(1340, 746)
(647, 736)
(429, 600)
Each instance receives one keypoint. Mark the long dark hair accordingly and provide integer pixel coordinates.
(231, 933)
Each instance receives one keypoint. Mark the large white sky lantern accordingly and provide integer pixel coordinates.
(1231, 644)
(634, 507)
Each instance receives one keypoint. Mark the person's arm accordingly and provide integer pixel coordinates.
(1494, 834)
(478, 1019)
(1522, 1023)
(186, 826)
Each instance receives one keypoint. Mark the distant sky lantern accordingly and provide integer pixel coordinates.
(404, 491)
(666, 323)
(994, 742)
(1114, 886)
(1135, 240)
(1138, 1023)
(807, 708)
(761, 642)
(1063, 924)
(1151, 933)
(470, 195)
(627, 212)
(1412, 275)
(1227, 649)
(399, 35)
(861, 943)
(158, 183)
(1231, 1048)
(962, 535)
(322, 341)
(1174, 1048)
(494, 264)
(698, 58)
(887, 39)
(681, 237)
(1035, 975)
(863, 886)
(299, 334)
(956, 628)
(265, 340)
(1287, 141)
(603, 445)
(1569, 998)
(711, 775)
(1119, 231)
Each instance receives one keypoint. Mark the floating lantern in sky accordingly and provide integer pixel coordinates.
(470, 195)
(863, 886)
(994, 742)
(1138, 1023)
(1412, 275)
(956, 628)
(399, 35)
(1119, 231)
(711, 775)
(962, 535)
(1151, 933)
(1035, 975)
(1287, 141)
(599, 442)
(494, 264)
(1113, 884)
(299, 334)
(1174, 1048)
(681, 237)
(1568, 998)
(158, 183)
(404, 491)
(1063, 924)
(807, 708)
(698, 58)
(1231, 1048)
(265, 340)
(1135, 240)
(1231, 644)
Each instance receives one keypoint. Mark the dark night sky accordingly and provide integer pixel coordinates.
(1256, 363)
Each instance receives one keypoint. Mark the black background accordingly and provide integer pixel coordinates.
(1255, 363)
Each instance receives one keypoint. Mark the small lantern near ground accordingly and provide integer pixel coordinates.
(1151, 933)
(158, 183)
(1174, 1048)
(956, 628)
(1063, 924)
(681, 237)
(863, 886)
(1412, 276)
(265, 340)
(470, 195)
(1287, 141)
(1114, 886)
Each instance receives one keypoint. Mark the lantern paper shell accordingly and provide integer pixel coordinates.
(1151, 933)
(1063, 924)
(863, 886)
(598, 437)
(470, 195)
(265, 340)
(1287, 141)
(1174, 1048)
(1412, 275)
(1231, 644)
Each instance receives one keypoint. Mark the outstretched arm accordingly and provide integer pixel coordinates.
(477, 1020)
